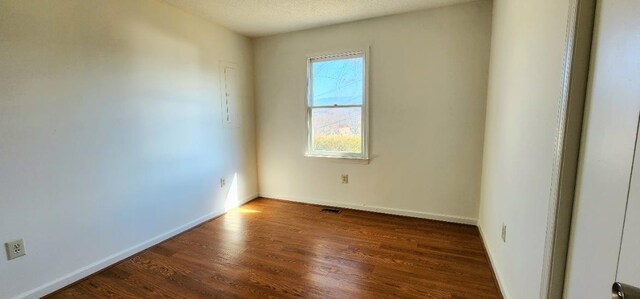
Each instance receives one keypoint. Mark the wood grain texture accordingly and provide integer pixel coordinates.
(277, 249)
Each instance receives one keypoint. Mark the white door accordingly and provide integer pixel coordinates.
(607, 199)
(608, 191)
(629, 260)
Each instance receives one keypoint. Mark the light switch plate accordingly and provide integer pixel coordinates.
(15, 249)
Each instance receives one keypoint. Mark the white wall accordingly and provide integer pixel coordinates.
(428, 78)
(111, 132)
(527, 48)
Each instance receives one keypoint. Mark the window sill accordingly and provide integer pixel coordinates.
(354, 160)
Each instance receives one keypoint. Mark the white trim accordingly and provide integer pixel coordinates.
(357, 158)
(74, 276)
(350, 160)
(561, 129)
(337, 106)
(378, 209)
(501, 283)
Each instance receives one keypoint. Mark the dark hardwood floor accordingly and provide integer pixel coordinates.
(276, 249)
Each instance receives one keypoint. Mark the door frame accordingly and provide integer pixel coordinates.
(575, 70)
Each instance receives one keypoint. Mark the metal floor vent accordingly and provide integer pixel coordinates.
(330, 211)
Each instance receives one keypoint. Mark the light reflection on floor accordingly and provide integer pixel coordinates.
(233, 224)
(328, 278)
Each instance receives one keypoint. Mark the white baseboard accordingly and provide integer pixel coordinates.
(493, 265)
(110, 260)
(377, 209)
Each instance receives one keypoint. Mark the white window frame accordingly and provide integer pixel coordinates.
(364, 155)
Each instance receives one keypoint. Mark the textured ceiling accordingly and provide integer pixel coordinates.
(266, 17)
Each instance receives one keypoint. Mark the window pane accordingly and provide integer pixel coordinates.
(337, 82)
(337, 129)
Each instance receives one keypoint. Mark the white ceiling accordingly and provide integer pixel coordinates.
(266, 17)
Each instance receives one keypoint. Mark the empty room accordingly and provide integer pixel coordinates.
(319, 149)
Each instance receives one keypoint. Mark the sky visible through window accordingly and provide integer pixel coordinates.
(337, 83)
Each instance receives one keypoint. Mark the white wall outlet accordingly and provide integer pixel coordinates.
(345, 179)
(15, 249)
(504, 233)
(223, 183)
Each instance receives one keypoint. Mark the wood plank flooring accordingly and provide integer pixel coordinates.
(277, 249)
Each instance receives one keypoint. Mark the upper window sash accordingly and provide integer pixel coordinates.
(335, 86)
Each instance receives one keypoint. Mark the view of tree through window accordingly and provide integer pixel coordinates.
(336, 104)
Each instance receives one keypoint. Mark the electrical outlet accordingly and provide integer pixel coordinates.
(345, 179)
(504, 233)
(15, 249)
(223, 182)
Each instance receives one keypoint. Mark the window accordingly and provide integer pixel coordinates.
(336, 105)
